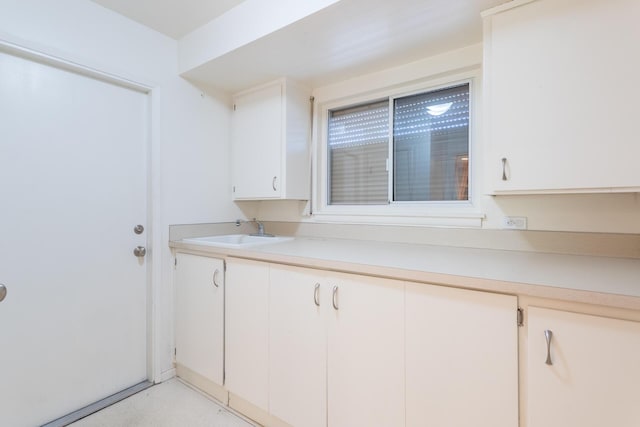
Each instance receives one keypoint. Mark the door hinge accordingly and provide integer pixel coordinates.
(175, 351)
(520, 317)
(175, 262)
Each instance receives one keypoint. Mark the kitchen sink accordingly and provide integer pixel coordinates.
(236, 240)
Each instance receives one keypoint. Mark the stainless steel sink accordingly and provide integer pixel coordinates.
(236, 240)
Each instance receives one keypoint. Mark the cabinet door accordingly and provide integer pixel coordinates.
(365, 377)
(247, 331)
(199, 303)
(297, 347)
(461, 357)
(593, 377)
(257, 143)
(561, 109)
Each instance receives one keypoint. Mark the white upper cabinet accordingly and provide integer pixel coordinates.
(561, 96)
(270, 142)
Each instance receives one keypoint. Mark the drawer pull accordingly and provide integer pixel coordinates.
(215, 278)
(504, 168)
(316, 295)
(547, 335)
(334, 299)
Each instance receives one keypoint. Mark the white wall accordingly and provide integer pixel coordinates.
(191, 128)
(611, 213)
(192, 132)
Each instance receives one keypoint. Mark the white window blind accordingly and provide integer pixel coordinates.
(431, 146)
(358, 144)
(430, 153)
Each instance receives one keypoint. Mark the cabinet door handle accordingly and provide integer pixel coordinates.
(504, 168)
(316, 295)
(273, 183)
(215, 278)
(334, 297)
(547, 335)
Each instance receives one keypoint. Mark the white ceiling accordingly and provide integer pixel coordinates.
(175, 18)
(346, 39)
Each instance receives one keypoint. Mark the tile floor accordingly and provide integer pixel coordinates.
(170, 404)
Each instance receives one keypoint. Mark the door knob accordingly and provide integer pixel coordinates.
(140, 251)
(3, 292)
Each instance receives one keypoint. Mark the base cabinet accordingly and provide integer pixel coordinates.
(336, 349)
(199, 316)
(313, 348)
(298, 346)
(461, 357)
(587, 374)
(247, 331)
(365, 352)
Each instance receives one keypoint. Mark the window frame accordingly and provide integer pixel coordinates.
(458, 213)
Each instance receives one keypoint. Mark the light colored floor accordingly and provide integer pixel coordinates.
(170, 404)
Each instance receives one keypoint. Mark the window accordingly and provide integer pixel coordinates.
(410, 149)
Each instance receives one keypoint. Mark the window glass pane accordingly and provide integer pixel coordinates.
(358, 144)
(431, 145)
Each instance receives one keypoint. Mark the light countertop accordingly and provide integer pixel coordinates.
(590, 279)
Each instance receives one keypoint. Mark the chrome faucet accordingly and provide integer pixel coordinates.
(260, 225)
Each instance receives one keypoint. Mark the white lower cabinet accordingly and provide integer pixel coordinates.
(336, 349)
(461, 358)
(199, 317)
(298, 346)
(314, 348)
(365, 351)
(247, 331)
(588, 375)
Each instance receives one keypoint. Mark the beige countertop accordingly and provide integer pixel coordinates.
(588, 279)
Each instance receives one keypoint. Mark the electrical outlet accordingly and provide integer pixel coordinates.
(514, 222)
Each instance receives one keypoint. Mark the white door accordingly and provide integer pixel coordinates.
(72, 188)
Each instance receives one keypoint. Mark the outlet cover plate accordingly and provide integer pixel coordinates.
(514, 222)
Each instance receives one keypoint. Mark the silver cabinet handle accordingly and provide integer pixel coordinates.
(273, 183)
(140, 251)
(504, 168)
(334, 297)
(547, 335)
(3, 292)
(316, 295)
(215, 278)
